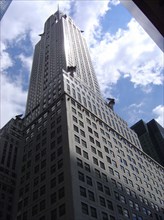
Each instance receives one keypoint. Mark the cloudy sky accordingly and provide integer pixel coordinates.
(127, 62)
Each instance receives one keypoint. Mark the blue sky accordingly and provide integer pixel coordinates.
(127, 62)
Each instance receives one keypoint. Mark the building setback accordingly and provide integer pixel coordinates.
(79, 158)
(151, 136)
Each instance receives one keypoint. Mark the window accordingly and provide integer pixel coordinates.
(53, 156)
(74, 110)
(34, 210)
(43, 164)
(144, 210)
(53, 198)
(37, 157)
(93, 212)
(53, 145)
(36, 181)
(82, 133)
(77, 139)
(90, 130)
(102, 165)
(24, 216)
(81, 123)
(108, 159)
(126, 213)
(117, 174)
(122, 199)
(59, 151)
(111, 171)
(96, 134)
(102, 201)
(61, 210)
(81, 176)
(100, 154)
(36, 169)
(125, 179)
(91, 139)
(95, 161)
(134, 216)
(120, 211)
(109, 205)
(61, 193)
(42, 190)
(119, 185)
(93, 149)
(85, 155)
(53, 168)
(104, 177)
(84, 144)
(78, 150)
(53, 214)
(104, 216)
(53, 182)
(42, 205)
(113, 181)
(106, 149)
(60, 164)
(91, 195)
(59, 139)
(89, 180)
(83, 191)
(87, 167)
(131, 204)
(98, 144)
(74, 119)
(99, 186)
(97, 173)
(133, 194)
(76, 128)
(117, 195)
(42, 176)
(107, 190)
(79, 163)
(60, 177)
(84, 208)
(26, 201)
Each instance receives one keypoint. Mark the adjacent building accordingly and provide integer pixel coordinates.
(80, 160)
(4, 4)
(151, 136)
(10, 145)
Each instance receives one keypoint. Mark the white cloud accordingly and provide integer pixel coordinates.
(6, 60)
(87, 16)
(130, 53)
(12, 99)
(159, 114)
(26, 61)
(133, 112)
(24, 16)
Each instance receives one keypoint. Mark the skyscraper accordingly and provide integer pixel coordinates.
(151, 136)
(62, 47)
(79, 158)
